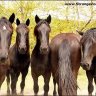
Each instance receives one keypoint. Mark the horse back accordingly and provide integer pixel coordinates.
(74, 41)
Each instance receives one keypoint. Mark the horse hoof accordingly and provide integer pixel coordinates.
(54, 94)
(21, 93)
(90, 94)
(14, 93)
(8, 92)
(35, 95)
(45, 94)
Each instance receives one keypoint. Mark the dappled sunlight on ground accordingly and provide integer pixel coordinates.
(82, 83)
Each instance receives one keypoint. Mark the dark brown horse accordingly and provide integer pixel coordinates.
(88, 60)
(19, 57)
(40, 55)
(65, 61)
(6, 31)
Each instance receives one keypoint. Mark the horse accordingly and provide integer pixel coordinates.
(88, 58)
(6, 31)
(40, 55)
(65, 60)
(19, 57)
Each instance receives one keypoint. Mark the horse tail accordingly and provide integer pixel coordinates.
(67, 81)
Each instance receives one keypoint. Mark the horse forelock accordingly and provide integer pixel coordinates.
(22, 25)
(4, 20)
(42, 22)
(39, 24)
(89, 35)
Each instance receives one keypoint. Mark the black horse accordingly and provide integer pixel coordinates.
(19, 57)
(39, 59)
(88, 61)
(6, 31)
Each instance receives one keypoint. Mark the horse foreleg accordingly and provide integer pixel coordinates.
(46, 81)
(90, 82)
(22, 85)
(8, 82)
(14, 78)
(35, 86)
(2, 78)
(54, 91)
(95, 83)
(60, 89)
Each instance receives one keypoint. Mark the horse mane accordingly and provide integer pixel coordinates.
(38, 24)
(89, 35)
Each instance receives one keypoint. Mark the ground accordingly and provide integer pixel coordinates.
(82, 83)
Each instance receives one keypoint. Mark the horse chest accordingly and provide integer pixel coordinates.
(20, 63)
(40, 65)
(3, 69)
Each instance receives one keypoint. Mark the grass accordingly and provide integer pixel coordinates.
(82, 83)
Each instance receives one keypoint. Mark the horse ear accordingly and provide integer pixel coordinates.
(27, 22)
(81, 33)
(17, 21)
(11, 18)
(37, 19)
(49, 19)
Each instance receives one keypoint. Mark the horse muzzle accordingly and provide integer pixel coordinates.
(85, 66)
(22, 50)
(3, 57)
(4, 60)
(44, 50)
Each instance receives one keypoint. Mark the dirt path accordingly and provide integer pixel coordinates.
(82, 83)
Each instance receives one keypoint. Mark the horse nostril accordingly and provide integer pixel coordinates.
(3, 59)
(44, 50)
(23, 48)
(85, 65)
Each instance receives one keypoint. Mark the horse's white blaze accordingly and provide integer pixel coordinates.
(4, 27)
